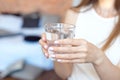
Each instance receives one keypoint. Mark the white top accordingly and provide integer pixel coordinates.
(95, 29)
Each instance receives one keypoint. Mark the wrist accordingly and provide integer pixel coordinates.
(99, 60)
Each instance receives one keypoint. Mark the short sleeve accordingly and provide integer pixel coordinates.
(119, 64)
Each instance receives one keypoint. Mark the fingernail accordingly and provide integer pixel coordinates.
(53, 56)
(59, 60)
(43, 38)
(45, 46)
(56, 42)
(51, 49)
(46, 54)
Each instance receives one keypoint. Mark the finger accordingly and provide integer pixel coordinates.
(71, 56)
(45, 52)
(71, 42)
(43, 44)
(72, 61)
(69, 49)
(44, 37)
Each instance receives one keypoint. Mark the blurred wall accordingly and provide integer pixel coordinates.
(29, 6)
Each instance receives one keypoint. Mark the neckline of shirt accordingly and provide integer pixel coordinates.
(102, 18)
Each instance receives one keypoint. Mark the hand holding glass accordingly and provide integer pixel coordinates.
(56, 31)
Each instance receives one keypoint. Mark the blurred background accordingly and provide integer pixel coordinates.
(21, 25)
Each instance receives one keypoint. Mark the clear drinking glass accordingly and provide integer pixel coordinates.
(56, 31)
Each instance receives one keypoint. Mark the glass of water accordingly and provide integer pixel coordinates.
(56, 31)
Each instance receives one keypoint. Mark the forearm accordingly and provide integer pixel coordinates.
(107, 71)
(63, 70)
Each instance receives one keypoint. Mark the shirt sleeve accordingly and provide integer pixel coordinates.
(119, 64)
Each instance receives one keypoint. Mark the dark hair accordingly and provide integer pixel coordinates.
(116, 31)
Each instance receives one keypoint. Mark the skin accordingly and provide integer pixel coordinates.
(107, 4)
(81, 51)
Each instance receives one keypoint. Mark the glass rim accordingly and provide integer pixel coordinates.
(71, 25)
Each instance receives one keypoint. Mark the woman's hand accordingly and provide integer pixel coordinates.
(80, 51)
(44, 45)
